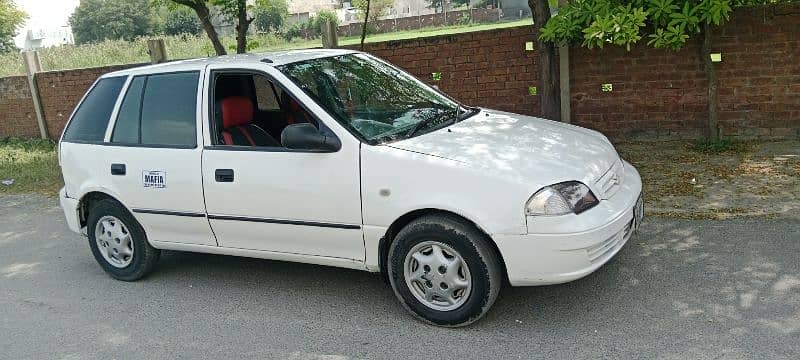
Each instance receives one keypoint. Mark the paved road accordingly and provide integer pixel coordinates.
(680, 289)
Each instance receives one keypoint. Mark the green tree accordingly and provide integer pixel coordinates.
(232, 10)
(11, 18)
(201, 9)
(181, 21)
(666, 24)
(271, 14)
(96, 20)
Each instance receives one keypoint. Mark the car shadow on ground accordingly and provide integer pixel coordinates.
(330, 286)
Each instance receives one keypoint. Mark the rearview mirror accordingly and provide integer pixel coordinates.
(305, 136)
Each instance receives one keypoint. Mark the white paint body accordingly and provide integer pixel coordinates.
(484, 169)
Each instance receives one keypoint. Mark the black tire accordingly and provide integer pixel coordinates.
(471, 244)
(144, 256)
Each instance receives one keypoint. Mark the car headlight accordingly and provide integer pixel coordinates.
(562, 198)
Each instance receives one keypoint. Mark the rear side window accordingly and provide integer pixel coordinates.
(159, 109)
(169, 109)
(126, 130)
(91, 119)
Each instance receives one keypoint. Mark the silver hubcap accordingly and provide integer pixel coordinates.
(114, 241)
(437, 276)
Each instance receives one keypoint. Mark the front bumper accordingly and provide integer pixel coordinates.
(559, 249)
(70, 208)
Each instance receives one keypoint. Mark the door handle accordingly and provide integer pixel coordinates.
(223, 175)
(117, 169)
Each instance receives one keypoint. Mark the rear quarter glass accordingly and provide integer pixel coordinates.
(91, 119)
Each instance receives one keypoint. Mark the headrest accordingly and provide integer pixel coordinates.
(236, 111)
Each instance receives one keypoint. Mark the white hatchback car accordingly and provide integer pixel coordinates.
(337, 158)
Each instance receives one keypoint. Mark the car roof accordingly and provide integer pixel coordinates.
(268, 58)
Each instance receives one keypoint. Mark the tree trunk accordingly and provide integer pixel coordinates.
(204, 15)
(549, 94)
(242, 25)
(712, 129)
(364, 27)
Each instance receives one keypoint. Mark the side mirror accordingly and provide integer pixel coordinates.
(306, 137)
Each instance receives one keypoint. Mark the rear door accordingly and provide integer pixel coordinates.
(152, 155)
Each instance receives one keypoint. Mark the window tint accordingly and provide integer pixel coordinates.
(126, 129)
(169, 109)
(91, 119)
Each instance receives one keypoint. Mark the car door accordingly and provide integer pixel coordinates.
(153, 156)
(281, 200)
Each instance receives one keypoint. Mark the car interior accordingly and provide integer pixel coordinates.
(250, 110)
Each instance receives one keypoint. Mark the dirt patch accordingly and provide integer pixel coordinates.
(683, 180)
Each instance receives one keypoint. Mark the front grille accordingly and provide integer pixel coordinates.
(609, 183)
(601, 251)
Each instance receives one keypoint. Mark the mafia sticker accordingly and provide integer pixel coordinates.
(154, 179)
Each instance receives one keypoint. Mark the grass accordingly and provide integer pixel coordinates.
(32, 164)
(114, 52)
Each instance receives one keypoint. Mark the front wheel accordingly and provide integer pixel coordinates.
(443, 270)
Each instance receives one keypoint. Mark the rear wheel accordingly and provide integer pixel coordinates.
(118, 242)
(443, 270)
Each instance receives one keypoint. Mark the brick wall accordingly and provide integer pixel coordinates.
(16, 108)
(487, 68)
(759, 80)
(657, 94)
(662, 93)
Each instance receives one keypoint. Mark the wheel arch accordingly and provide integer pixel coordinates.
(87, 200)
(391, 232)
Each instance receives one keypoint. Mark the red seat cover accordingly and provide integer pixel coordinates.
(236, 111)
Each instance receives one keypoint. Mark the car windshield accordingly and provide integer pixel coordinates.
(374, 99)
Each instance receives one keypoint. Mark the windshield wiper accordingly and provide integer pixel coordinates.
(426, 121)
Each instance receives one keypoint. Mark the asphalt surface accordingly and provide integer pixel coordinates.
(680, 289)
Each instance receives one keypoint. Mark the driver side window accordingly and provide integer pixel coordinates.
(251, 110)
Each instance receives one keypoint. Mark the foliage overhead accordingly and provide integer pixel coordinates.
(11, 18)
(271, 14)
(665, 23)
(96, 20)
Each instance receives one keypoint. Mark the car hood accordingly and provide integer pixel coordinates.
(537, 151)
